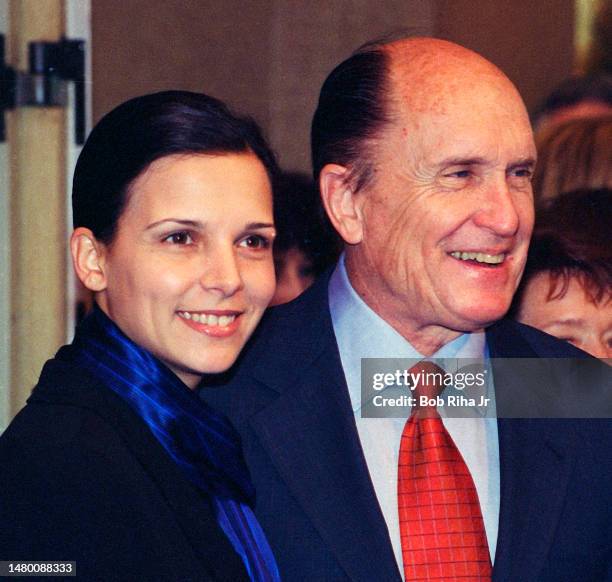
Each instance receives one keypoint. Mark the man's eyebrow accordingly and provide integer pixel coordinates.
(523, 162)
(461, 161)
(476, 161)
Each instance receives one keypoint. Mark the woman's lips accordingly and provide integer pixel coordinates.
(212, 323)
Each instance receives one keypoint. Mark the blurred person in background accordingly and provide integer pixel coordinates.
(573, 155)
(566, 289)
(576, 97)
(306, 244)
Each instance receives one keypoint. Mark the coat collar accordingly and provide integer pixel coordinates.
(65, 384)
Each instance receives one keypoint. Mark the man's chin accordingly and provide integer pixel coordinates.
(478, 318)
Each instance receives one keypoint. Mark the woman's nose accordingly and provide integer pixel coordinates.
(221, 272)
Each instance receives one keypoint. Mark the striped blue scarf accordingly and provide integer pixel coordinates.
(199, 440)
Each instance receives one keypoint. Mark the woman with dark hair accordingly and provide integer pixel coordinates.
(566, 289)
(115, 463)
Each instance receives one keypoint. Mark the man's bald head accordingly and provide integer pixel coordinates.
(428, 75)
(362, 94)
(424, 57)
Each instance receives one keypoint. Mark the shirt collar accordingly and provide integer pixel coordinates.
(362, 333)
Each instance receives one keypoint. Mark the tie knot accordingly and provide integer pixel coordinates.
(428, 380)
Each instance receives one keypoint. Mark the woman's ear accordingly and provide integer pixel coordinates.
(88, 257)
(340, 202)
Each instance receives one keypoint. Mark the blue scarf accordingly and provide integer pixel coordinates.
(199, 440)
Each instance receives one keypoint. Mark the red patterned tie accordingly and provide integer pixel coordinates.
(441, 527)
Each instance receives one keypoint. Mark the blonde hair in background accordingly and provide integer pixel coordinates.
(574, 155)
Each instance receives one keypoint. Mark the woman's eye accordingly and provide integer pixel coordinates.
(255, 241)
(179, 238)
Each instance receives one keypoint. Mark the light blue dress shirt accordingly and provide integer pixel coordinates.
(361, 333)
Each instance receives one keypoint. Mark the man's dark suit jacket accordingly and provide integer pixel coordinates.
(83, 479)
(315, 500)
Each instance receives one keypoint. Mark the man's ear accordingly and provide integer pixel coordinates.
(88, 257)
(341, 204)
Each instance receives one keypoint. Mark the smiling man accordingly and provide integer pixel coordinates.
(424, 154)
(438, 236)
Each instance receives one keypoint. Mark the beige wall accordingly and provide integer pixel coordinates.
(532, 42)
(269, 57)
(221, 48)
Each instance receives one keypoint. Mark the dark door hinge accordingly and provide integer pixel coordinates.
(51, 65)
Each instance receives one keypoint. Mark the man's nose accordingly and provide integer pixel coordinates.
(221, 272)
(499, 210)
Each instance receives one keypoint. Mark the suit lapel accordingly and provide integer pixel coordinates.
(536, 459)
(319, 456)
(310, 435)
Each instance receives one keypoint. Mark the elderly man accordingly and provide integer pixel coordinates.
(424, 154)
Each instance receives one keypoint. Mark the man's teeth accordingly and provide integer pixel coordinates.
(212, 320)
(479, 257)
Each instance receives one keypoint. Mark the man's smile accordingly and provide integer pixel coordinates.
(479, 257)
